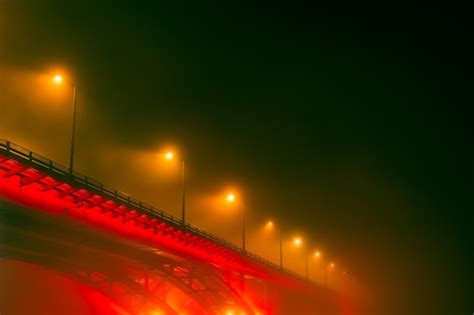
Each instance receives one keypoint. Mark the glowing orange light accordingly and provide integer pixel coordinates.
(297, 241)
(317, 254)
(229, 313)
(230, 198)
(332, 265)
(169, 155)
(270, 224)
(58, 79)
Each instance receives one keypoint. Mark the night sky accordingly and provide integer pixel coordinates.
(352, 125)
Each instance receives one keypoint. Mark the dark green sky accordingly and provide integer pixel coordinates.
(353, 125)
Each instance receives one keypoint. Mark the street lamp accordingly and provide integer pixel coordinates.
(318, 255)
(58, 79)
(331, 266)
(271, 225)
(298, 242)
(231, 198)
(170, 156)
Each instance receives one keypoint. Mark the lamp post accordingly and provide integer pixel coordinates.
(170, 156)
(317, 255)
(307, 258)
(326, 266)
(325, 276)
(58, 79)
(243, 225)
(73, 132)
(183, 195)
(332, 266)
(271, 225)
(281, 247)
(231, 199)
(299, 243)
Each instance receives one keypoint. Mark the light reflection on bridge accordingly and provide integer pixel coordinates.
(193, 271)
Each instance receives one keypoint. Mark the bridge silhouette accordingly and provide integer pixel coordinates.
(135, 253)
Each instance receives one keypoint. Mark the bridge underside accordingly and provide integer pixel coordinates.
(125, 271)
(131, 278)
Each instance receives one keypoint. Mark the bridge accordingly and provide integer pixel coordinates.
(134, 254)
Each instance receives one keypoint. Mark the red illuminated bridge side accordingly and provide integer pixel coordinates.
(141, 258)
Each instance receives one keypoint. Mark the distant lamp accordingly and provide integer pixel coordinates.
(230, 197)
(58, 79)
(297, 241)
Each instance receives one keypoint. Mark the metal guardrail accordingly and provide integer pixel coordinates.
(62, 173)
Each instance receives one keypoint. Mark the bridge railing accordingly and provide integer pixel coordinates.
(62, 172)
(76, 177)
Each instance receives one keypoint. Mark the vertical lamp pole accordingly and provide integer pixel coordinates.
(325, 276)
(322, 263)
(183, 200)
(73, 134)
(281, 249)
(299, 243)
(243, 226)
(231, 198)
(331, 265)
(169, 155)
(58, 79)
(307, 258)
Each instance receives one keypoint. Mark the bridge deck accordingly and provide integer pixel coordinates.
(32, 182)
(79, 194)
